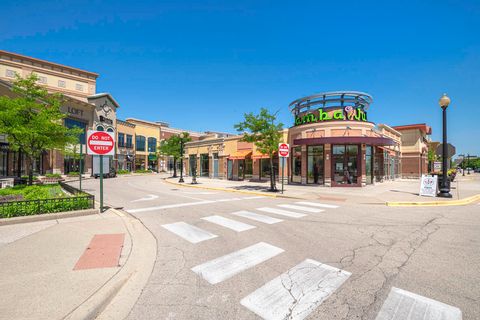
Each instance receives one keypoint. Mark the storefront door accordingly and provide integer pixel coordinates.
(345, 165)
(315, 164)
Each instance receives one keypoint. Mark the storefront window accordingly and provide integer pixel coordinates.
(129, 141)
(248, 168)
(297, 164)
(265, 167)
(121, 140)
(192, 164)
(315, 164)
(152, 144)
(345, 164)
(204, 165)
(369, 164)
(71, 123)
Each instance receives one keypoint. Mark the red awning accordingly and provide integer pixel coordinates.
(376, 141)
(240, 155)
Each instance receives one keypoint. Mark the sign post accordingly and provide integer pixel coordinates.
(283, 152)
(100, 143)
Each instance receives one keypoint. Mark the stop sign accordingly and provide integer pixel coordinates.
(283, 149)
(100, 143)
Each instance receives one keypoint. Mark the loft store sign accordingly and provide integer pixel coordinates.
(348, 113)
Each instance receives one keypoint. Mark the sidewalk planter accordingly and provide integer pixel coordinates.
(43, 206)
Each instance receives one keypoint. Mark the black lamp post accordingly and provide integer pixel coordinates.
(468, 163)
(181, 157)
(445, 185)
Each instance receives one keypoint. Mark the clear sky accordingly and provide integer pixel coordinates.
(200, 65)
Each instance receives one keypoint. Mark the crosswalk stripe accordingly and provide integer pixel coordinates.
(296, 293)
(282, 212)
(229, 223)
(402, 304)
(301, 208)
(257, 217)
(188, 232)
(222, 268)
(316, 204)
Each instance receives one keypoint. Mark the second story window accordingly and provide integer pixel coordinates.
(152, 145)
(129, 141)
(79, 87)
(42, 79)
(62, 83)
(121, 140)
(9, 73)
(140, 143)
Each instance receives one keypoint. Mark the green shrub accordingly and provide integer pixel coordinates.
(73, 174)
(15, 209)
(53, 175)
(122, 171)
(143, 171)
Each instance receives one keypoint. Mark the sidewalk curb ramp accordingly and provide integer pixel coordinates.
(118, 295)
(229, 190)
(460, 202)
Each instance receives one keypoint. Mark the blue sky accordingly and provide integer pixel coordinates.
(200, 65)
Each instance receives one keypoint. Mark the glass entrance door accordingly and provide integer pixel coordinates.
(345, 164)
(315, 164)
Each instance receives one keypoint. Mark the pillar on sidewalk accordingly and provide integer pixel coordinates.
(328, 165)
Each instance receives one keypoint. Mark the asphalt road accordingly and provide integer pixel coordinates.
(235, 256)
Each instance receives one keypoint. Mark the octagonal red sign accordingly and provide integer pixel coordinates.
(100, 143)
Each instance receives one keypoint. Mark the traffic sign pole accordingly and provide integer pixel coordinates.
(283, 170)
(81, 167)
(101, 183)
(284, 152)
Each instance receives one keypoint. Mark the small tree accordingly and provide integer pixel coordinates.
(172, 147)
(264, 133)
(32, 121)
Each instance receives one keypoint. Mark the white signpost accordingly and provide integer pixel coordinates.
(283, 152)
(100, 143)
(428, 186)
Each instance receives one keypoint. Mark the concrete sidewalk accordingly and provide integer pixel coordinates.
(379, 193)
(37, 259)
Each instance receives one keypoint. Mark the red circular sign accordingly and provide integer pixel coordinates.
(100, 143)
(283, 150)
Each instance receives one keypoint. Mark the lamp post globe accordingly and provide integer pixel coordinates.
(444, 102)
(182, 135)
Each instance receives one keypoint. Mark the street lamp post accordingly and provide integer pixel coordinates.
(181, 157)
(445, 185)
(468, 163)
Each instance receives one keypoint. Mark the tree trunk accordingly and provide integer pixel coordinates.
(273, 187)
(174, 167)
(30, 170)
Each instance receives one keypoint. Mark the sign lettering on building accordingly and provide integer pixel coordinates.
(75, 111)
(348, 113)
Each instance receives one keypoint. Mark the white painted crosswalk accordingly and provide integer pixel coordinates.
(297, 292)
(317, 204)
(281, 212)
(227, 266)
(257, 217)
(301, 208)
(229, 223)
(405, 305)
(188, 232)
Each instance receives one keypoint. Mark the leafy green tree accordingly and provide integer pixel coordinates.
(172, 147)
(32, 120)
(265, 133)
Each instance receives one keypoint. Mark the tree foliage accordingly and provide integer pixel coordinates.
(172, 147)
(32, 120)
(265, 133)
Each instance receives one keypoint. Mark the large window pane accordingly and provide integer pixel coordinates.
(71, 123)
(140, 143)
(315, 164)
(204, 165)
(152, 144)
(345, 164)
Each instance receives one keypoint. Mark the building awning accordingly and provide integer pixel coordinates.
(259, 155)
(375, 141)
(240, 154)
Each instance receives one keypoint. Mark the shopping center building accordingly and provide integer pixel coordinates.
(332, 143)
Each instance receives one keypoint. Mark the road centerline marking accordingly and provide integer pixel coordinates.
(286, 213)
(229, 223)
(296, 293)
(189, 232)
(257, 217)
(225, 267)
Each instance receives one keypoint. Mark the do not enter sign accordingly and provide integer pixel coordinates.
(100, 143)
(283, 150)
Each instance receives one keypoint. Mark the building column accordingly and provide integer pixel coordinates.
(363, 158)
(304, 171)
(256, 169)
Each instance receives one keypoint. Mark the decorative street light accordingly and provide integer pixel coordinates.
(182, 135)
(445, 184)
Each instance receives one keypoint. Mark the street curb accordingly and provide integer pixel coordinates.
(116, 298)
(48, 216)
(229, 190)
(460, 202)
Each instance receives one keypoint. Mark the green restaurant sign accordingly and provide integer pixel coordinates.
(348, 113)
